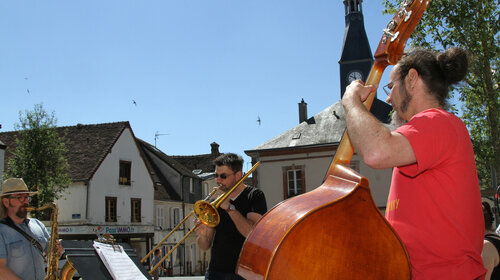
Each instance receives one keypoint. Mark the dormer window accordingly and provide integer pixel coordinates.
(125, 171)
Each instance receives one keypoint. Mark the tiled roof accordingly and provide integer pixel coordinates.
(87, 146)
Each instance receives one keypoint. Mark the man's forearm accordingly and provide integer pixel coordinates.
(242, 223)
(367, 133)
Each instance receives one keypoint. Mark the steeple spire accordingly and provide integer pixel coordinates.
(352, 6)
(356, 58)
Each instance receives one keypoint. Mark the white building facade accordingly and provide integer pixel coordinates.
(118, 199)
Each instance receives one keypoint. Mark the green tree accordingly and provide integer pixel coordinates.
(38, 156)
(474, 26)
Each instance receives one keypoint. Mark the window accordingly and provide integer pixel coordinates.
(125, 171)
(111, 209)
(135, 208)
(294, 181)
(159, 216)
(191, 187)
(174, 217)
(205, 189)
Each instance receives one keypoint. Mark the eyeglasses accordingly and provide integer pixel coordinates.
(21, 198)
(387, 88)
(223, 175)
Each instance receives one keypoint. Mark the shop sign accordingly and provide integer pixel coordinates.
(85, 229)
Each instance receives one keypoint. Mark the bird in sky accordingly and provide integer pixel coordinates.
(258, 119)
(28, 90)
(133, 102)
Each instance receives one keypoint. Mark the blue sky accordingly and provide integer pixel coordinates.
(199, 71)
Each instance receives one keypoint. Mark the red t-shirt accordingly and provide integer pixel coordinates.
(435, 203)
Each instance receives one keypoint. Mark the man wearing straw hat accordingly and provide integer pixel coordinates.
(23, 241)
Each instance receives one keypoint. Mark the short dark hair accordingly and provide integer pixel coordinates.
(233, 161)
(157, 251)
(438, 70)
(488, 216)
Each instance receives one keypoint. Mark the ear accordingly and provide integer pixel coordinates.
(5, 202)
(411, 78)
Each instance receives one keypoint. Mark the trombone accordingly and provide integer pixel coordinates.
(205, 211)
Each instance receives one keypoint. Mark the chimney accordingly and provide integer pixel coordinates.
(302, 111)
(215, 149)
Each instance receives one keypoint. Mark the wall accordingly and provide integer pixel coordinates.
(73, 204)
(105, 183)
(270, 175)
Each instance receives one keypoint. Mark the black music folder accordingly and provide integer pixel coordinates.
(88, 263)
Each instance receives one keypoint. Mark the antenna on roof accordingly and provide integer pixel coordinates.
(157, 134)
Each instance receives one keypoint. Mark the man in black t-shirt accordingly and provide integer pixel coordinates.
(238, 215)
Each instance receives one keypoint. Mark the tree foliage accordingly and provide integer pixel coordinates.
(474, 26)
(38, 156)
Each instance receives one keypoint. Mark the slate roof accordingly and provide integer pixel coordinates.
(325, 128)
(183, 170)
(87, 146)
(156, 161)
(203, 162)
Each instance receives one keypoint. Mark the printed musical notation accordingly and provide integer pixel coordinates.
(118, 263)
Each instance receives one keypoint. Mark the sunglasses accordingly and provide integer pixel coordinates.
(223, 175)
(21, 198)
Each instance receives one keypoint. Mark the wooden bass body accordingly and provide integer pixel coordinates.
(335, 232)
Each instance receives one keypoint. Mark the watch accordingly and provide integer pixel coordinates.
(230, 208)
(354, 75)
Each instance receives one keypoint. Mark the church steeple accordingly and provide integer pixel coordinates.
(357, 59)
(352, 6)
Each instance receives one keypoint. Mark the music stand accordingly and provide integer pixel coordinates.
(89, 265)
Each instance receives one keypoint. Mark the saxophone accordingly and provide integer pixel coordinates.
(52, 254)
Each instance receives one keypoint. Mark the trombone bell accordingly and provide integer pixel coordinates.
(206, 213)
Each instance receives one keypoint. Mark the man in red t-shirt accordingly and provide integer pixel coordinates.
(434, 202)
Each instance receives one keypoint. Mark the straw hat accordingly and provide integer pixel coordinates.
(15, 186)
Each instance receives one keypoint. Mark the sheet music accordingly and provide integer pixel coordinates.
(118, 263)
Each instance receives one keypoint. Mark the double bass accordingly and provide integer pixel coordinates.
(335, 231)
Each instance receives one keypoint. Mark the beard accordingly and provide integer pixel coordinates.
(405, 99)
(396, 120)
(22, 212)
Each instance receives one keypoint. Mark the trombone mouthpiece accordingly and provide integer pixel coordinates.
(29, 208)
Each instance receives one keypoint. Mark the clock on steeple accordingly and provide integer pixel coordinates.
(357, 59)
(354, 75)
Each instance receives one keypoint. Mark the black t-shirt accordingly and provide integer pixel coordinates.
(228, 240)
